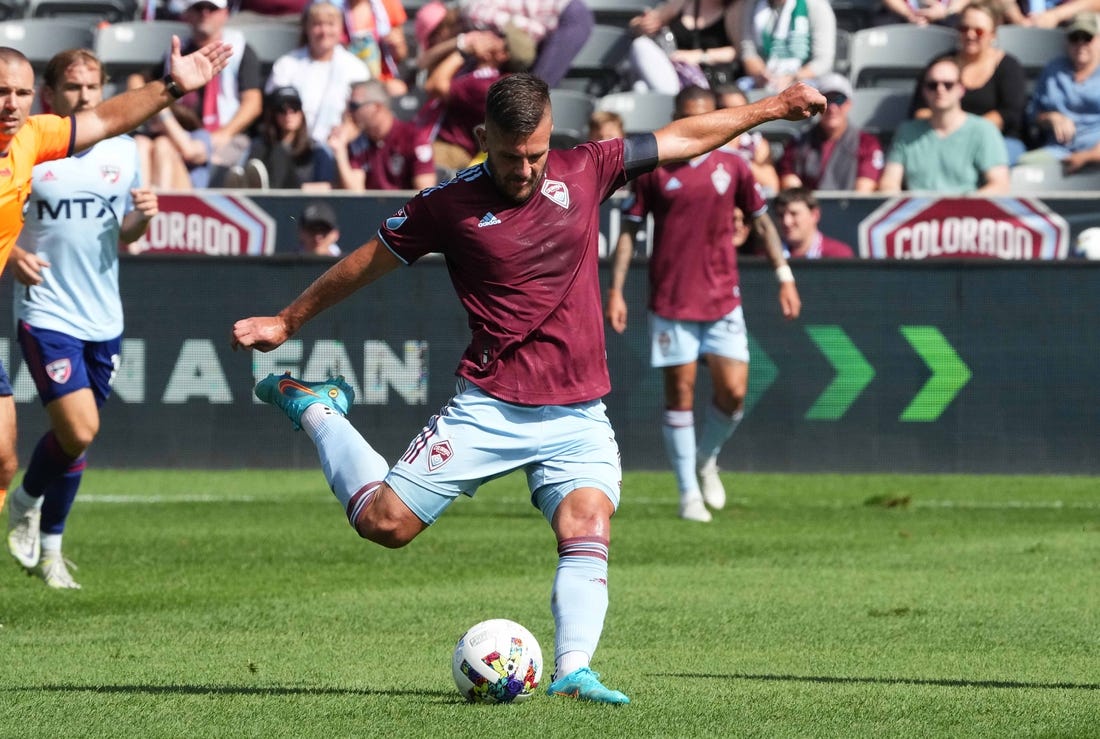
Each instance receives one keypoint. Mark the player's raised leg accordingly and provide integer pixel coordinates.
(354, 470)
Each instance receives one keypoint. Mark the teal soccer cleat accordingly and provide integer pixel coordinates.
(585, 685)
(293, 396)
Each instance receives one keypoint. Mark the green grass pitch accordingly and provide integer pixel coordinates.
(241, 604)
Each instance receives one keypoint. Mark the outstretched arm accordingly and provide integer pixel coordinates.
(125, 112)
(362, 267)
(687, 138)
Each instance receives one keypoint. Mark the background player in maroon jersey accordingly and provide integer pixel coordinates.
(520, 236)
(695, 299)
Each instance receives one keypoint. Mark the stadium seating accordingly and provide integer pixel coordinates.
(572, 109)
(640, 111)
(595, 69)
(91, 11)
(269, 39)
(617, 12)
(136, 46)
(12, 9)
(1033, 47)
(880, 110)
(1025, 179)
(40, 38)
(842, 60)
(852, 15)
(894, 55)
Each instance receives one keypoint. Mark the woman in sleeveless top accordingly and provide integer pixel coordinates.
(686, 42)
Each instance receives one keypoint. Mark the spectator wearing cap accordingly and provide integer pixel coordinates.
(282, 155)
(798, 216)
(1065, 104)
(322, 70)
(832, 155)
(204, 129)
(378, 151)
(952, 152)
(318, 231)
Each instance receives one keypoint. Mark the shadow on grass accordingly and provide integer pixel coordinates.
(938, 682)
(230, 690)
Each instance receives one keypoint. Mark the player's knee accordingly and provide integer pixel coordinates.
(389, 533)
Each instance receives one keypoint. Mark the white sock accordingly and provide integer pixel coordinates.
(27, 501)
(351, 466)
(50, 543)
(678, 430)
(578, 601)
(569, 662)
(718, 427)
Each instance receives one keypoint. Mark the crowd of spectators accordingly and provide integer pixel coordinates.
(324, 115)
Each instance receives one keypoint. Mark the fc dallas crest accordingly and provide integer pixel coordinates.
(59, 370)
(110, 173)
(439, 454)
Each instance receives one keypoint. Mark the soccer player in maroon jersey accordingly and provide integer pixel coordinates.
(695, 299)
(520, 242)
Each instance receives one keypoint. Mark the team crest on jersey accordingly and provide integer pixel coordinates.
(556, 191)
(49, 176)
(672, 184)
(59, 371)
(423, 153)
(721, 179)
(439, 454)
(110, 173)
(397, 163)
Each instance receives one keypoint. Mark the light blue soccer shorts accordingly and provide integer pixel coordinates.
(673, 343)
(475, 438)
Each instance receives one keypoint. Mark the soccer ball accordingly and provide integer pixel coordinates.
(497, 661)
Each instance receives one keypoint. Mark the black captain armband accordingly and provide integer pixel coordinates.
(639, 154)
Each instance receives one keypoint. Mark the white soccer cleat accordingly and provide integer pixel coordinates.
(54, 571)
(693, 509)
(23, 541)
(714, 493)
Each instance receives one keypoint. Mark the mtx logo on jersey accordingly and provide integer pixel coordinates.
(556, 191)
(59, 370)
(439, 455)
(91, 206)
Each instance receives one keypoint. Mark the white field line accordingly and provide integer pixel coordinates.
(157, 498)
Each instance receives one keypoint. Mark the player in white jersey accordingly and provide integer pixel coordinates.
(520, 234)
(68, 305)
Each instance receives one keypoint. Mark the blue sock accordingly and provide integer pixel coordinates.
(59, 496)
(579, 597)
(48, 462)
(717, 429)
(351, 466)
(678, 429)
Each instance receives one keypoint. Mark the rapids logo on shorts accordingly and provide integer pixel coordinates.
(556, 191)
(59, 371)
(439, 454)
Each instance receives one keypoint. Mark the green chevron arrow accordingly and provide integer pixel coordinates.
(949, 373)
(853, 373)
(762, 373)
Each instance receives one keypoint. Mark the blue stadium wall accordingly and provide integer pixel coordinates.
(917, 367)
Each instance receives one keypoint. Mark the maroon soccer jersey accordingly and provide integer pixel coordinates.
(392, 163)
(822, 247)
(527, 274)
(693, 266)
(465, 108)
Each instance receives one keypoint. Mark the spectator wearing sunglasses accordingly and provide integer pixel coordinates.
(1065, 105)
(283, 155)
(832, 155)
(952, 152)
(994, 81)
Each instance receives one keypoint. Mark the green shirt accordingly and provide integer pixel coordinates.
(952, 164)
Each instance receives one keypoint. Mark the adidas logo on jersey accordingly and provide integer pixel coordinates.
(488, 220)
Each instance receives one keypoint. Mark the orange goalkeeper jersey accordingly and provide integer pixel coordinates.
(42, 137)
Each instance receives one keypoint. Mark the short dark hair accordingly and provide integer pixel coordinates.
(693, 92)
(517, 103)
(796, 195)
